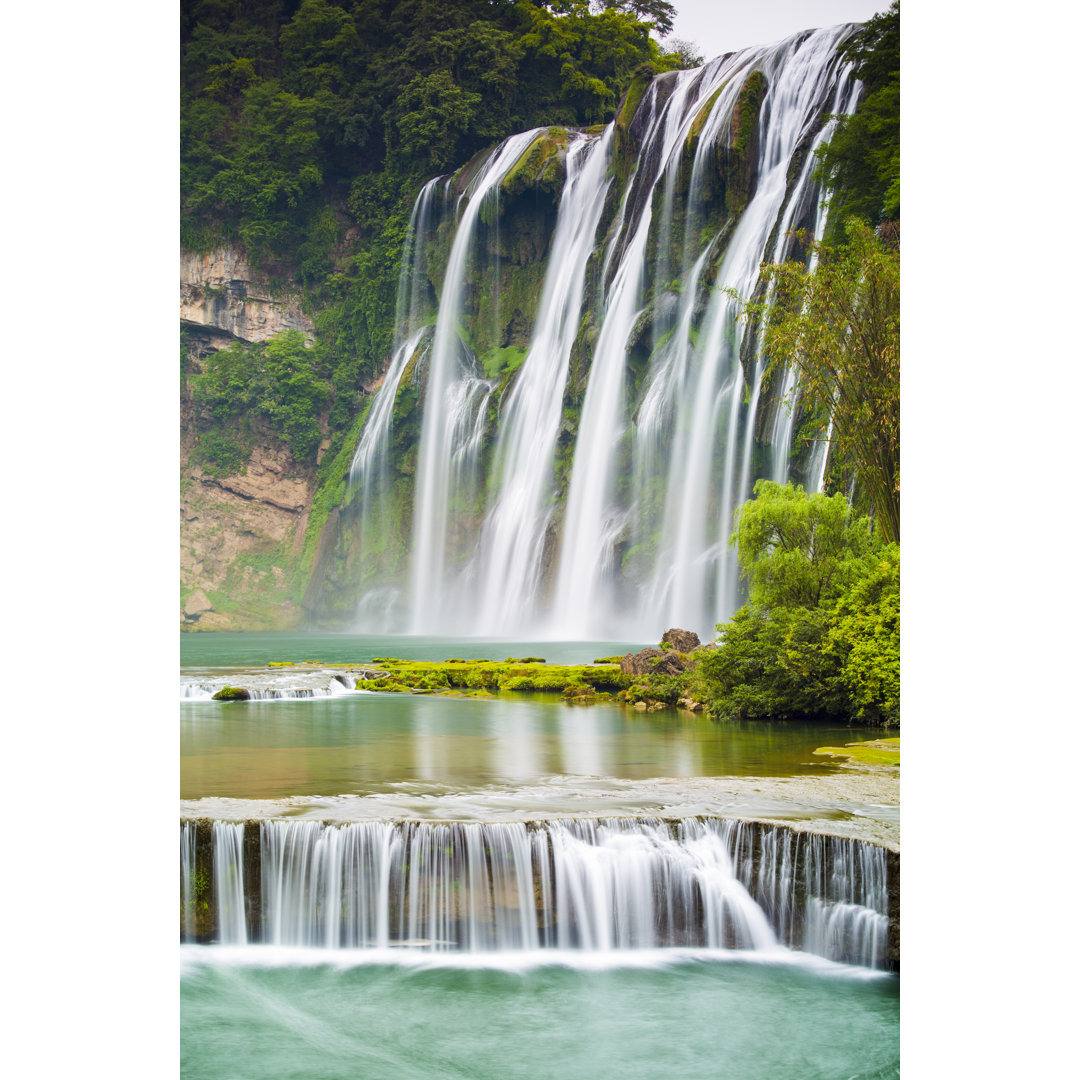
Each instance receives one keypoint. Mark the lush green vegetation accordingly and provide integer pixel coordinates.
(527, 675)
(862, 159)
(839, 325)
(819, 637)
(283, 381)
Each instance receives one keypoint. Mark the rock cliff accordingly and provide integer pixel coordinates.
(222, 299)
(240, 535)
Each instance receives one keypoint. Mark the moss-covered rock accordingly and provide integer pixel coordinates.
(232, 693)
(542, 167)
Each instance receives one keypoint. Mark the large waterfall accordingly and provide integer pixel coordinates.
(595, 885)
(573, 409)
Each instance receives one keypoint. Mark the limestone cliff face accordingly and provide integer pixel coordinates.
(240, 536)
(223, 299)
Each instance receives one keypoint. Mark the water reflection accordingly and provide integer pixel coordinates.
(372, 743)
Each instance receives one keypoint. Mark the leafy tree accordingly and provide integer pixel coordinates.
(819, 636)
(773, 666)
(430, 116)
(838, 324)
(797, 550)
(279, 380)
(659, 12)
(682, 54)
(865, 635)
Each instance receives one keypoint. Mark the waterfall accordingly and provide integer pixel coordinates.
(590, 492)
(508, 560)
(454, 405)
(784, 419)
(597, 885)
(229, 882)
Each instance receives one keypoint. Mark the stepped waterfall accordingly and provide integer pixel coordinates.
(592, 885)
(573, 409)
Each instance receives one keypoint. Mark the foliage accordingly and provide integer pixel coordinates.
(861, 161)
(819, 637)
(865, 634)
(280, 380)
(518, 676)
(838, 324)
(680, 54)
(797, 550)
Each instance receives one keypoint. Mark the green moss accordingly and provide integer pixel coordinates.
(331, 490)
(232, 693)
(469, 676)
(876, 752)
(699, 120)
(498, 363)
(541, 166)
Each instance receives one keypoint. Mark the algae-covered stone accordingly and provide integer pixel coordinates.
(542, 166)
(232, 693)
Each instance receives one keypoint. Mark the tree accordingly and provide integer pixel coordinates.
(682, 54)
(819, 636)
(798, 550)
(838, 324)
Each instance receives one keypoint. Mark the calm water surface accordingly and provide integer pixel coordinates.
(235, 649)
(370, 743)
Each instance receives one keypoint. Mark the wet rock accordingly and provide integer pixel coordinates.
(680, 640)
(638, 663)
(233, 693)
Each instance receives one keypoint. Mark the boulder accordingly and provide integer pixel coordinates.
(680, 640)
(652, 662)
(638, 663)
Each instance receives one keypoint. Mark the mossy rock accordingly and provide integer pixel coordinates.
(542, 166)
(232, 693)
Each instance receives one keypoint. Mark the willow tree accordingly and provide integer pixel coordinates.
(837, 322)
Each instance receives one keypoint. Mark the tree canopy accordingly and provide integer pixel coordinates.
(819, 636)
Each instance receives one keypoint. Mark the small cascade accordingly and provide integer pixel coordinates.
(594, 885)
(188, 881)
(290, 687)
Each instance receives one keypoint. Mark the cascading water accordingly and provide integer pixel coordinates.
(453, 406)
(509, 557)
(592, 490)
(229, 882)
(595, 885)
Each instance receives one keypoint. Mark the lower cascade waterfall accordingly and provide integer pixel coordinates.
(595, 885)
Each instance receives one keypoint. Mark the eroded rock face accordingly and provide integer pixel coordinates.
(223, 299)
(228, 527)
(680, 640)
